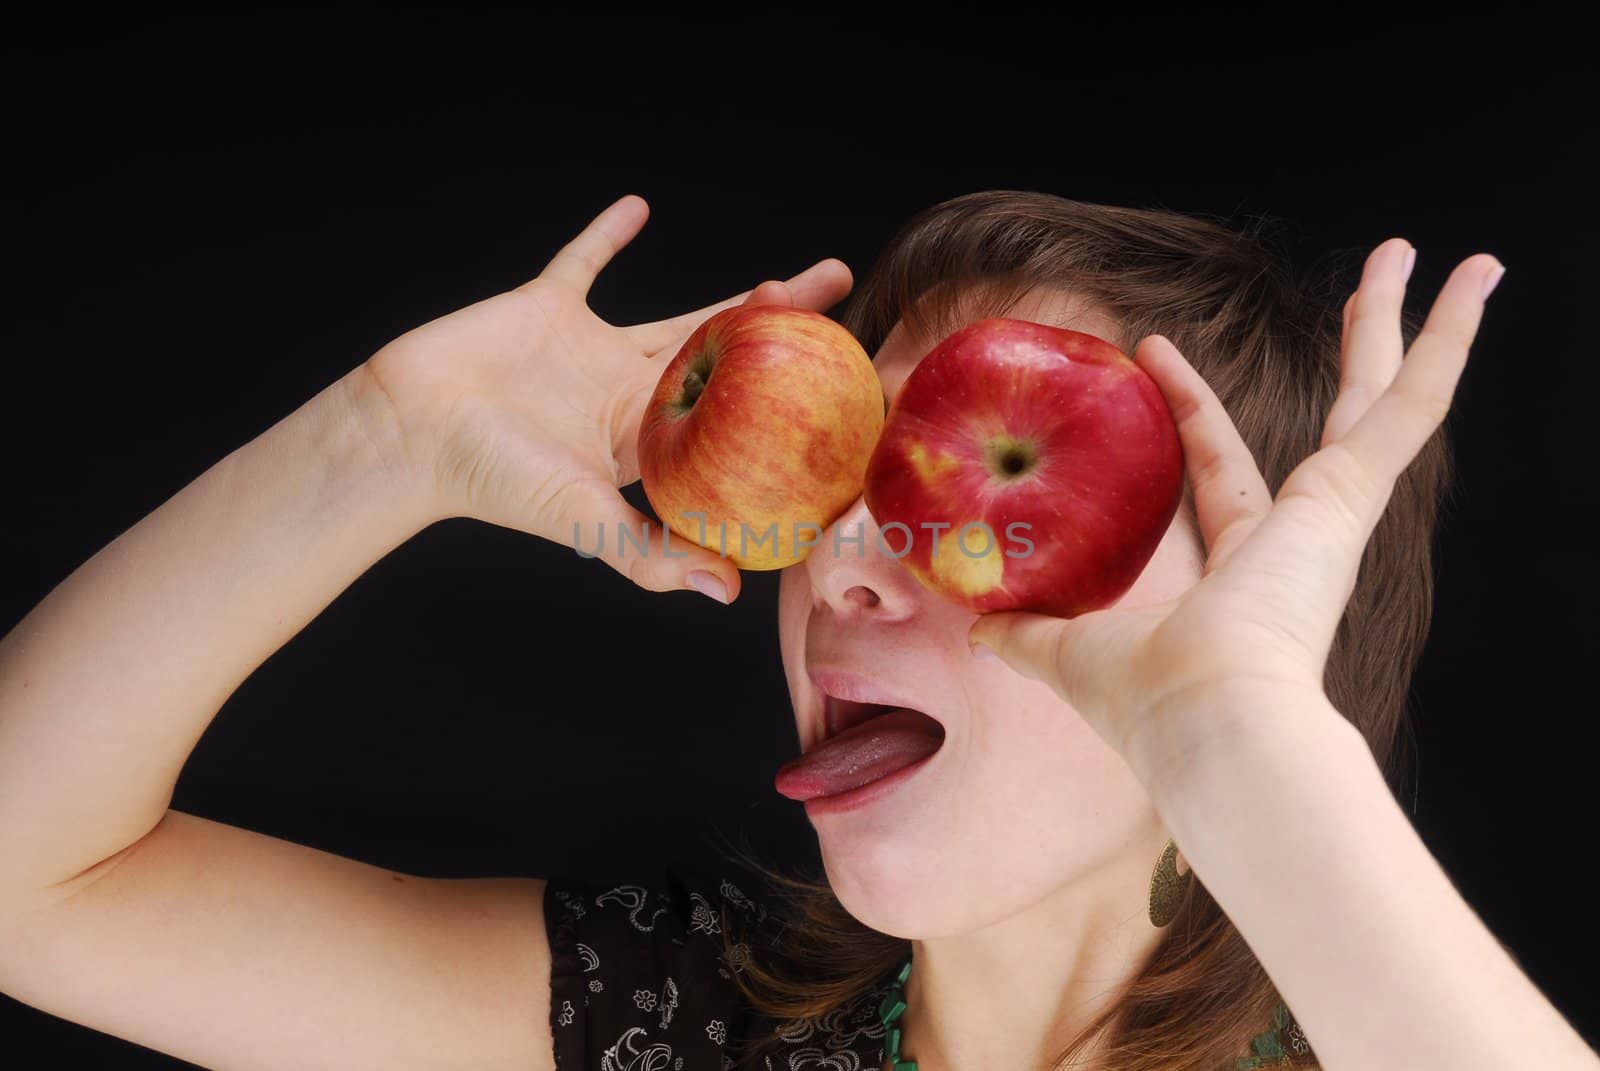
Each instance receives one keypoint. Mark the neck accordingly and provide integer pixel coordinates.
(1016, 992)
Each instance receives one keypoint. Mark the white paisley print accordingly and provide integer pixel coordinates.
(633, 1052)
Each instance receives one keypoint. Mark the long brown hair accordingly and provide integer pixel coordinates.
(1267, 339)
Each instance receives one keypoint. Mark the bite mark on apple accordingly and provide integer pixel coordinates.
(962, 571)
(930, 469)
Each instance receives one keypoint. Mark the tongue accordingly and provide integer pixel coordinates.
(861, 754)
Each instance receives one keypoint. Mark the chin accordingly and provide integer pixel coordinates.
(884, 888)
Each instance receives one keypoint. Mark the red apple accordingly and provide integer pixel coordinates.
(1055, 440)
(762, 423)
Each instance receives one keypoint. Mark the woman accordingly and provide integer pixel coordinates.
(1229, 703)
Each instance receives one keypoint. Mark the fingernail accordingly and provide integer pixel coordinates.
(1492, 281)
(1411, 261)
(709, 585)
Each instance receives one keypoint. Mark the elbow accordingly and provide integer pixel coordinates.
(29, 900)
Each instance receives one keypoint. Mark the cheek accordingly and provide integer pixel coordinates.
(1024, 721)
(794, 608)
(1175, 567)
(1047, 772)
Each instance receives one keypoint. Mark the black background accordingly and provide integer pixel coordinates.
(208, 220)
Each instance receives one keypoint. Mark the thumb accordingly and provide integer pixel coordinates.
(1029, 643)
(641, 550)
(1088, 660)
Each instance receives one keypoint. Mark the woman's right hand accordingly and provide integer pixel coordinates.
(523, 410)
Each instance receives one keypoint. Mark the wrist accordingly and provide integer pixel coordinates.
(1227, 726)
(368, 439)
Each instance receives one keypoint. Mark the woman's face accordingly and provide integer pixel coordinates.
(1022, 800)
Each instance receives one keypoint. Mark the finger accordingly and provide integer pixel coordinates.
(773, 292)
(1370, 347)
(822, 286)
(641, 550)
(819, 287)
(1230, 495)
(580, 260)
(1387, 437)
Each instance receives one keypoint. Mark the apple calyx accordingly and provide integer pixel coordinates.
(1009, 458)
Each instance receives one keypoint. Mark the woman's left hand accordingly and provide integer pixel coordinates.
(1159, 681)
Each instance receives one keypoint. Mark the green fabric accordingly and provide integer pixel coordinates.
(1267, 1048)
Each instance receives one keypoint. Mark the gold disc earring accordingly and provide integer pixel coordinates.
(1167, 886)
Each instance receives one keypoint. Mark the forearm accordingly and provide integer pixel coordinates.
(1291, 827)
(107, 684)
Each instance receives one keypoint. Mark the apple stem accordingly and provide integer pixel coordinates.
(694, 382)
(692, 386)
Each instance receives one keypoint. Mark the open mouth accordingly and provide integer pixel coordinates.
(863, 743)
(841, 715)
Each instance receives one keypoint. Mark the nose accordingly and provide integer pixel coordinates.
(856, 573)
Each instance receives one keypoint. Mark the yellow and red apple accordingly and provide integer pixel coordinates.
(1025, 466)
(758, 433)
